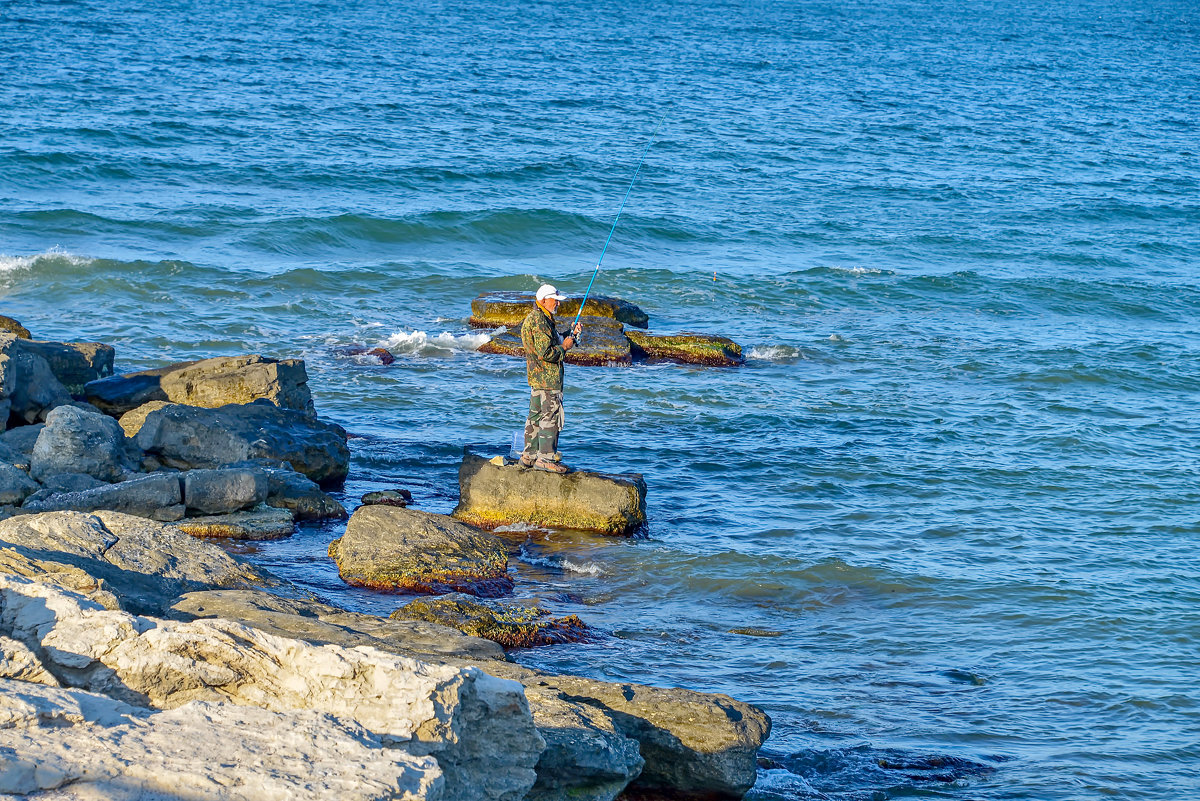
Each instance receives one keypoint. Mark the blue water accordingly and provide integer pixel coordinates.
(957, 477)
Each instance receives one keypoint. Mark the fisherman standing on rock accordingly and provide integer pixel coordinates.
(545, 353)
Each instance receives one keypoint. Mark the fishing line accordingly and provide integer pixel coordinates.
(614, 225)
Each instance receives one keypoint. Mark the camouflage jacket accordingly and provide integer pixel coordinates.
(544, 352)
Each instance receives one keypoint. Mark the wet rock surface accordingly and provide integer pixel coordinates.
(257, 524)
(74, 364)
(508, 309)
(509, 624)
(711, 351)
(405, 550)
(492, 495)
(287, 489)
(8, 325)
(397, 497)
(602, 344)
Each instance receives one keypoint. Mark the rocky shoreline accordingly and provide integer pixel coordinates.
(131, 645)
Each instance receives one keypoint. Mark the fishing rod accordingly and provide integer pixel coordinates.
(614, 225)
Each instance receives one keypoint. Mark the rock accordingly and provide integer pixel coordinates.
(187, 437)
(213, 383)
(119, 560)
(508, 309)
(28, 387)
(155, 496)
(22, 439)
(89, 746)
(10, 326)
(603, 344)
(218, 492)
(15, 485)
(510, 625)
(74, 364)
(132, 421)
(405, 550)
(478, 727)
(71, 482)
(396, 497)
(121, 394)
(384, 355)
(287, 489)
(687, 348)
(491, 496)
(78, 440)
(259, 524)
(11, 457)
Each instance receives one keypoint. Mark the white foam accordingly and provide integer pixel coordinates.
(10, 264)
(516, 528)
(421, 343)
(858, 270)
(775, 353)
(561, 563)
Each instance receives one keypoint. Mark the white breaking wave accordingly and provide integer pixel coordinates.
(775, 353)
(561, 563)
(10, 264)
(859, 270)
(421, 343)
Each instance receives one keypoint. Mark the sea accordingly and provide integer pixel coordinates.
(943, 523)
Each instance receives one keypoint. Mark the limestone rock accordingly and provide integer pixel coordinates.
(132, 421)
(405, 550)
(603, 343)
(74, 364)
(80, 440)
(491, 496)
(15, 485)
(29, 389)
(156, 496)
(508, 309)
(188, 437)
(10, 326)
(222, 491)
(396, 497)
(705, 349)
(478, 727)
(213, 383)
(118, 559)
(18, 661)
(120, 394)
(72, 745)
(511, 625)
(257, 524)
(287, 489)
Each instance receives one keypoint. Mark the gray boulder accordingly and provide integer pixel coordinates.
(212, 383)
(29, 389)
(263, 523)
(74, 364)
(71, 482)
(15, 485)
(22, 439)
(9, 455)
(79, 440)
(218, 492)
(156, 496)
(287, 489)
(188, 437)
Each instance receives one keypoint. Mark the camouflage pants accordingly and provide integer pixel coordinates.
(543, 424)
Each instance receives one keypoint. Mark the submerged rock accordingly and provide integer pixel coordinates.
(603, 344)
(384, 355)
(257, 524)
(511, 625)
(156, 496)
(405, 550)
(508, 309)
(187, 437)
(214, 383)
(712, 351)
(396, 497)
(492, 495)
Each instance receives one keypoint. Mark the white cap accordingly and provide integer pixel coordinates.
(547, 291)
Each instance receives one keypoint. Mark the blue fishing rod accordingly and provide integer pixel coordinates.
(614, 225)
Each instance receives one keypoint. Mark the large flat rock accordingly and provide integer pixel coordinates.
(491, 496)
(221, 381)
(496, 309)
(156, 496)
(706, 349)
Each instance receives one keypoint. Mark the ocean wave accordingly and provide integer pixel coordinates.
(775, 353)
(422, 344)
(562, 563)
(53, 257)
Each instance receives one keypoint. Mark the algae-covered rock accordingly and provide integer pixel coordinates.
(256, 524)
(10, 326)
(602, 344)
(491, 495)
(496, 309)
(395, 497)
(705, 349)
(406, 550)
(511, 625)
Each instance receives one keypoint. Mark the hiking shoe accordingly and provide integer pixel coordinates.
(551, 467)
(526, 462)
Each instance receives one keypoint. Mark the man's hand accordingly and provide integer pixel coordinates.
(569, 341)
(577, 329)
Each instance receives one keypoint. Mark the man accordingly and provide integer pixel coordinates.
(544, 356)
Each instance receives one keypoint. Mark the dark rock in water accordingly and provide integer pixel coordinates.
(510, 625)
(213, 383)
(492, 495)
(287, 489)
(703, 349)
(382, 354)
(603, 344)
(223, 491)
(187, 437)
(405, 550)
(80, 440)
(257, 524)
(508, 309)
(396, 497)
(74, 364)
(157, 497)
(10, 326)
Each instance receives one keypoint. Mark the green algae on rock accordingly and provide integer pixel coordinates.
(405, 550)
(11, 326)
(603, 344)
(508, 309)
(491, 495)
(511, 625)
(705, 349)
